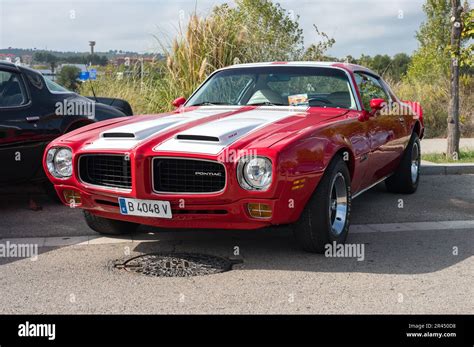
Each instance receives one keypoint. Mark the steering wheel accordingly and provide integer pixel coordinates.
(323, 100)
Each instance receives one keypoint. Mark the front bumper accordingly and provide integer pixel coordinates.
(198, 213)
(227, 209)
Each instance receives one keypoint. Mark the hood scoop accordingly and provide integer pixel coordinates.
(214, 136)
(198, 138)
(141, 130)
(221, 132)
(119, 135)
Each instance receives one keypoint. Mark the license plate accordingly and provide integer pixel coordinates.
(145, 208)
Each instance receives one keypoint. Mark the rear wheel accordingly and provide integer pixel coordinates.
(108, 226)
(325, 218)
(406, 177)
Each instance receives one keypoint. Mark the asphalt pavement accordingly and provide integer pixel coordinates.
(418, 258)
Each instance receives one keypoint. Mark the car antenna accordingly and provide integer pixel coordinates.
(92, 87)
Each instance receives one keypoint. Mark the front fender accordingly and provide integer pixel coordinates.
(313, 154)
(303, 163)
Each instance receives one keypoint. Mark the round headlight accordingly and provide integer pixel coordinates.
(49, 161)
(255, 173)
(59, 162)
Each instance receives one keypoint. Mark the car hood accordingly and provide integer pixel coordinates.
(204, 130)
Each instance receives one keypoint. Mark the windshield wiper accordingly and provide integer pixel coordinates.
(266, 103)
(207, 103)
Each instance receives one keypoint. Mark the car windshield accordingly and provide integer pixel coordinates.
(277, 86)
(54, 87)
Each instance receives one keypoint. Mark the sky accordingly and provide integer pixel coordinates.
(359, 26)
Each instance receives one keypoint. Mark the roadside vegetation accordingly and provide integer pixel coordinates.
(464, 157)
(248, 32)
(259, 30)
(67, 77)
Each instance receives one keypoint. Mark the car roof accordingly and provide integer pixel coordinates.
(335, 64)
(4, 63)
(18, 68)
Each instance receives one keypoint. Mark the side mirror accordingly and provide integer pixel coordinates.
(377, 104)
(179, 102)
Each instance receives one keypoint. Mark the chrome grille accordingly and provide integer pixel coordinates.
(176, 175)
(105, 170)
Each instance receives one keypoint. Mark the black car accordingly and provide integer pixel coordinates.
(35, 110)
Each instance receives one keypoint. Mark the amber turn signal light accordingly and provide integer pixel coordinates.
(257, 210)
(72, 197)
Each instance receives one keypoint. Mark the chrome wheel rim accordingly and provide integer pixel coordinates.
(338, 204)
(415, 162)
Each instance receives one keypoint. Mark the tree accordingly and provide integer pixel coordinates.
(267, 31)
(252, 31)
(399, 67)
(467, 35)
(430, 62)
(48, 58)
(38, 57)
(272, 33)
(52, 60)
(454, 132)
(394, 68)
(317, 51)
(68, 77)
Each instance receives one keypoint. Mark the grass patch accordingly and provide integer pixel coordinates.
(464, 157)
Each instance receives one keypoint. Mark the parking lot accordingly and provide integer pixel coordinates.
(418, 259)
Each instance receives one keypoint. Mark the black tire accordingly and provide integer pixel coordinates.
(405, 180)
(314, 229)
(108, 226)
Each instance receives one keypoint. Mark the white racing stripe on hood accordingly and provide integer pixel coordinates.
(128, 136)
(214, 136)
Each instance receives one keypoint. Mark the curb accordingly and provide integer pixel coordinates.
(428, 168)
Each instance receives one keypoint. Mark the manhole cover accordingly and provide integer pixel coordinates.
(177, 264)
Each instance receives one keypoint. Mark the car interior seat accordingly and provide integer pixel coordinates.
(12, 95)
(340, 99)
(266, 95)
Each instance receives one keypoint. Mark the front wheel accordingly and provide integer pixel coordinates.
(325, 218)
(108, 226)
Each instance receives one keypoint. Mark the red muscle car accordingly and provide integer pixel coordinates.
(255, 145)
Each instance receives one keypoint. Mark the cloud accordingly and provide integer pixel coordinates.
(362, 26)
(69, 25)
(359, 26)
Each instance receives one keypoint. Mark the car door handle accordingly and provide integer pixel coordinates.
(32, 119)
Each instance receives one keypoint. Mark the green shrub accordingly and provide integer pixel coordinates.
(68, 77)
(115, 83)
(252, 31)
(434, 98)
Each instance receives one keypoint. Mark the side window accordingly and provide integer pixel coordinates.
(390, 92)
(369, 88)
(12, 90)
